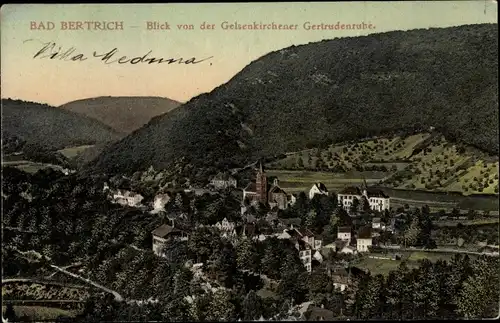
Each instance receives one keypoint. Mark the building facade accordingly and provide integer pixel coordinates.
(377, 199)
(223, 181)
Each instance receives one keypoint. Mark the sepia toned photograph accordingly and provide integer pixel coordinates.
(300, 161)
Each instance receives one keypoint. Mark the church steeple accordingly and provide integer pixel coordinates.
(261, 184)
(364, 187)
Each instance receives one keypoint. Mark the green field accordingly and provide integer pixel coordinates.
(378, 266)
(40, 312)
(384, 266)
(72, 152)
(29, 166)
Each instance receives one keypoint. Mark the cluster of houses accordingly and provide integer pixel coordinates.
(309, 246)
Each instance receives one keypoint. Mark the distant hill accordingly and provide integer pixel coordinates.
(49, 128)
(329, 91)
(124, 114)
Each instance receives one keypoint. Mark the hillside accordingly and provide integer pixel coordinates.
(124, 114)
(325, 92)
(50, 128)
(423, 161)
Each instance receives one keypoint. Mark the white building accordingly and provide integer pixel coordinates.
(318, 188)
(305, 254)
(377, 224)
(223, 181)
(344, 234)
(164, 234)
(126, 198)
(159, 202)
(307, 245)
(364, 239)
(377, 199)
(225, 226)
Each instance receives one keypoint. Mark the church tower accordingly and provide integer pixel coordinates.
(261, 185)
(364, 188)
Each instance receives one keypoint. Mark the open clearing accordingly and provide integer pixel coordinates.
(71, 152)
(384, 266)
(36, 313)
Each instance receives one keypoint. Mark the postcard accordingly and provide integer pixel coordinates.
(250, 161)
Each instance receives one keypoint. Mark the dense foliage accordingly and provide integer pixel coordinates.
(334, 90)
(50, 127)
(52, 219)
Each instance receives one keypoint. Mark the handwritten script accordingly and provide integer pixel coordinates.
(51, 50)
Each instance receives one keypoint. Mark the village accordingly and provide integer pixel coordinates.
(371, 229)
(311, 248)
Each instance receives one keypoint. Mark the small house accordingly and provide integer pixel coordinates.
(318, 188)
(223, 181)
(163, 235)
(344, 233)
(364, 239)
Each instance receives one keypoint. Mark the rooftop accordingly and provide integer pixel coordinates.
(365, 233)
(318, 314)
(321, 187)
(344, 229)
(164, 230)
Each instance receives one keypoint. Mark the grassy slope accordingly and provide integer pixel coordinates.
(439, 167)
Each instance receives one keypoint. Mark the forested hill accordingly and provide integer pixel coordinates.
(332, 90)
(50, 127)
(124, 114)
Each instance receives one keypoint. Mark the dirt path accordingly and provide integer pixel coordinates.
(117, 296)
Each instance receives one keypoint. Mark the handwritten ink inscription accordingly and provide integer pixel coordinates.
(50, 50)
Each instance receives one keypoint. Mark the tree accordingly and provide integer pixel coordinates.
(10, 314)
(425, 228)
(223, 264)
(310, 219)
(365, 205)
(395, 289)
(372, 300)
(221, 308)
(182, 279)
(318, 282)
(202, 242)
(478, 297)
(246, 254)
(330, 234)
(251, 306)
(410, 236)
(354, 206)
(299, 162)
(426, 291)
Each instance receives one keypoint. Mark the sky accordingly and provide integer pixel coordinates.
(56, 81)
